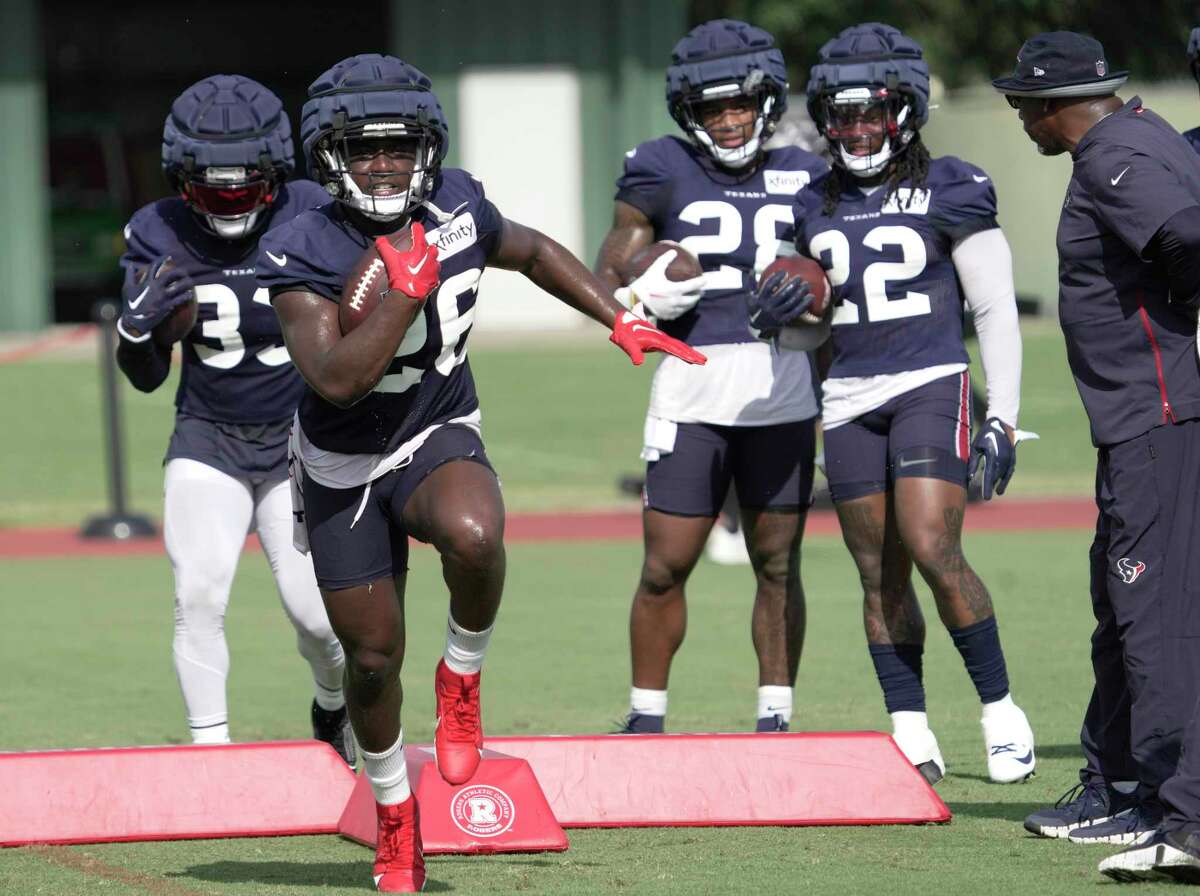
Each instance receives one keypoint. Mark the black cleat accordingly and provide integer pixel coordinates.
(770, 723)
(931, 772)
(1083, 805)
(635, 723)
(333, 727)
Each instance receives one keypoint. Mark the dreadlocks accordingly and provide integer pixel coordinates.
(911, 167)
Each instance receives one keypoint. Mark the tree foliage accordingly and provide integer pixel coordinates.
(969, 42)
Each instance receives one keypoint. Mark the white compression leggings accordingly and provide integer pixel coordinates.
(206, 518)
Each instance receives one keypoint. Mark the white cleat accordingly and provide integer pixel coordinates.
(726, 548)
(1009, 743)
(920, 747)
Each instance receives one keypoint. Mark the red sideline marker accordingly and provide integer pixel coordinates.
(834, 778)
(172, 793)
(501, 809)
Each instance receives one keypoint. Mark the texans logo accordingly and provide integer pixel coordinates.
(1129, 570)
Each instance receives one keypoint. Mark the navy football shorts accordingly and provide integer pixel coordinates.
(926, 432)
(252, 451)
(771, 467)
(346, 551)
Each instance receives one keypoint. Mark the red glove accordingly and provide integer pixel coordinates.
(634, 336)
(413, 272)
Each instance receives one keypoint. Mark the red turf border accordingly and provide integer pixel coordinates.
(1002, 515)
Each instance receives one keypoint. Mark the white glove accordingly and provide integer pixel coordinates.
(664, 298)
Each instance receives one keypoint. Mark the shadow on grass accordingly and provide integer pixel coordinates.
(1014, 812)
(1059, 751)
(298, 874)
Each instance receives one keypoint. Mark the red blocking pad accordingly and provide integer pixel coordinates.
(501, 809)
(172, 793)
(840, 778)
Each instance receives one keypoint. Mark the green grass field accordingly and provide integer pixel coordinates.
(89, 650)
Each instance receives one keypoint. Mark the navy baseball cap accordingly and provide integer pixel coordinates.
(1061, 63)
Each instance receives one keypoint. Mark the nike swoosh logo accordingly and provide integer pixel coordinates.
(637, 327)
(1026, 759)
(417, 269)
(991, 437)
(1119, 176)
(133, 304)
(913, 463)
(280, 260)
(774, 708)
(980, 180)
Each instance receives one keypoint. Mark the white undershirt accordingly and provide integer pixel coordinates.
(983, 262)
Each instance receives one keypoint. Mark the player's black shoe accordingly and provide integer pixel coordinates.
(333, 727)
(770, 723)
(1128, 828)
(1084, 804)
(636, 723)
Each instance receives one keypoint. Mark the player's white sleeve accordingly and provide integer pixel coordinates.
(983, 261)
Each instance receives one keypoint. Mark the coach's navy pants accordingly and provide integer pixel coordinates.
(1145, 572)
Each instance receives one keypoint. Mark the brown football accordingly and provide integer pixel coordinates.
(182, 318)
(684, 266)
(367, 282)
(811, 328)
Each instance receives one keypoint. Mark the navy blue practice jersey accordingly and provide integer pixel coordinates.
(235, 366)
(1193, 137)
(734, 224)
(888, 259)
(429, 381)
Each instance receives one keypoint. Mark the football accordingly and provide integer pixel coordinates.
(684, 266)
(180, 321)
(812, 327)
(367, 282)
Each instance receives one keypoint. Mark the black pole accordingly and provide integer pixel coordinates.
(118, 523)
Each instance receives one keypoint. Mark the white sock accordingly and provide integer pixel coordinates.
(329, 699)
(999, 707)
(907, 720)
(646, 702)
(211, 734)
(388, 773)
(775, 700)
(465, 649)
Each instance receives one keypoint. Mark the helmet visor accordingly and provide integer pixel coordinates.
(228, 193)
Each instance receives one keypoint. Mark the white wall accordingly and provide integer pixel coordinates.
(521, 137)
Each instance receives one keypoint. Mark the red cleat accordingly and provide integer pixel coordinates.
(458, 740)
(399, 864)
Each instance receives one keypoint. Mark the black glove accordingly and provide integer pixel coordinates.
(150, 295)
(777, 302)
(999, 456)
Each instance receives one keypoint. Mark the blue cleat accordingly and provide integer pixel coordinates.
(1083, 805)
(1128, 828)
(635, 723)
(770, 723)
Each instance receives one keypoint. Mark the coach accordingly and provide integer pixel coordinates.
(1129, 286)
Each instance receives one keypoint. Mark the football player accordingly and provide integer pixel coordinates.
(387, 442)
(1193, 56)
(227, 154)
(906, 240)
(747, 416)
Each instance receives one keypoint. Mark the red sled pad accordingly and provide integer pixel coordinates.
(501, 809)
(838, 778)
(172, 793)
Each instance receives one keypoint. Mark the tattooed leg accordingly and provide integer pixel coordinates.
(929, 514)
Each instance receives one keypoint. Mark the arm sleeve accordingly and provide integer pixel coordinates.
(644, 182)
(1177, 247)
(983, 262)
(1135, 195)
(145, 364)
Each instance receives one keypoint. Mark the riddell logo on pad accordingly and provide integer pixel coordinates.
(482, 811)
(787, 183)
